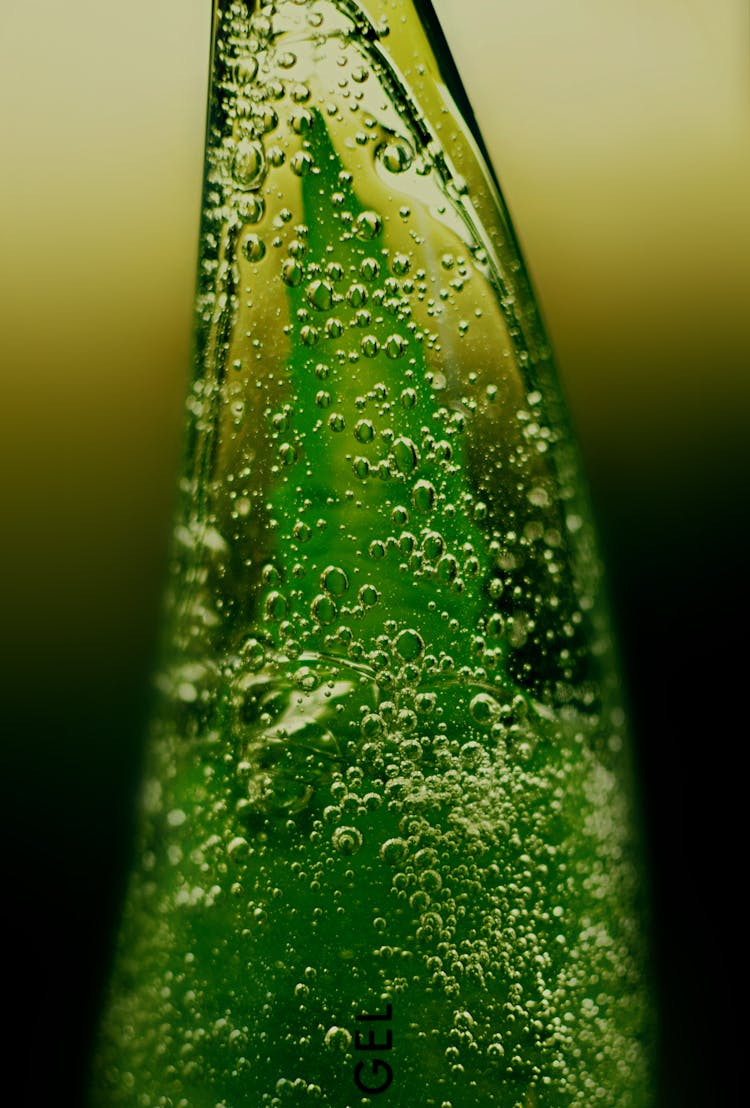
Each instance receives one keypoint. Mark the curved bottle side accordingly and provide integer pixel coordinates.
(386, 768)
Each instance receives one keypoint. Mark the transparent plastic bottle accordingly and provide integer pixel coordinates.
(386, 851)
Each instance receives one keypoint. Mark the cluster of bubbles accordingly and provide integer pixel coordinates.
(365, 787)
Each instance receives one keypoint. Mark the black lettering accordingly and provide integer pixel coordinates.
(378, 1074)
(377, 1065)
(371, 1044)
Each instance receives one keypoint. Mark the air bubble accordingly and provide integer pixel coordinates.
(356, 295)
(447, 568)
(266, 120)
(431, 881)
(291, 272)
(249, 165)
(262, 26)
(368, 596)
(237, 848)
(471, 753)
(271, 575)
(364, 430)
(253, 248)
(306, 678)
(433, 544)
(251, 209)
(395, 346)
(275, 605)
(300, 93)
(409, 644)
(393, 851)
(406, 455)
(347, 840)
(484, 708)
(368, 226)
(371, 725)
(301, 121)
(495, 625)
(323, 609)
(245, 69)
(334, 580)
(301, 163)
(395, 154)
(423, 496)
(252, 655)
(337, 1038)
(320, 295)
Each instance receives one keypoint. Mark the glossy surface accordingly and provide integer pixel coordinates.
(389, 764)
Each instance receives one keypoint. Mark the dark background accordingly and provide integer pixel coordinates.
(620, 138)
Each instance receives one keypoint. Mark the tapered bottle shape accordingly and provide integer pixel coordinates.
(387, 776)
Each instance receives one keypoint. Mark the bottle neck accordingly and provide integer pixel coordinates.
(367, 351)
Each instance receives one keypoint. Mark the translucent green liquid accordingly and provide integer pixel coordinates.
(388, 765)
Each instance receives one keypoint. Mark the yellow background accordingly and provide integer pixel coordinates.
(619, 131)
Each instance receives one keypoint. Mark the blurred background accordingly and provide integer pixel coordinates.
(620, 135)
